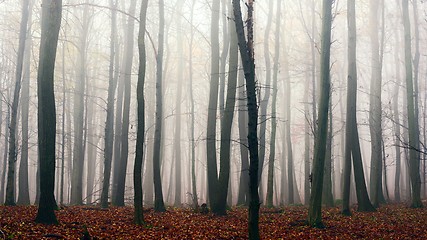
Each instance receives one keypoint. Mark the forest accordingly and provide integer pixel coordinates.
(213, 119)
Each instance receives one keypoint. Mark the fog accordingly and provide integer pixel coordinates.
(84, 67)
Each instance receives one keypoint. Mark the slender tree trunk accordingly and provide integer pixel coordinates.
(315, 207)
(243, 198)
(212, 108)
(272, 156)
(306, 145)
(10, 187)
(414, 156)
(92, 142)
(5, 155)
(108, 138)
(79, 112)
(327, 196)
(248, 60)
(51, 22)
(127, 66)
(137, 174)
(64, 102)
(223, 58)
(23, 194)
(193, 144)
(227, 121)
(159, 205)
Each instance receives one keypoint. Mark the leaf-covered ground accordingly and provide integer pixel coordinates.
(390, 222)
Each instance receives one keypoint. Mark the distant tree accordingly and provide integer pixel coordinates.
(50, 25)
(10, 187)
(137, 174)
(108, 136)
(271, 158)
(315, 207)
(246, 47)
(414, 155)
(159, 205)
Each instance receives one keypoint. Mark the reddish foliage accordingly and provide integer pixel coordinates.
(390, 222)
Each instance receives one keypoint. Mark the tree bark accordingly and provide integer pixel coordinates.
(315, 207)
(248, 59)
(51, 22)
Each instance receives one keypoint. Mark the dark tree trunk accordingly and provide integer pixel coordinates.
(137, 172)
(51, 22)
(248, 60)
(315, 207)
(243, 198)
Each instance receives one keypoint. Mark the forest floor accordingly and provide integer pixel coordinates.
(389, 222)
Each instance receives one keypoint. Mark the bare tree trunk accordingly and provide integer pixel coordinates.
(212, 108)
(137, 174)
(127, 67)
(10, 187)
(23, 194)
(272, 156)
(227, 121)
(414, 156)
(79, 112)
(243, 198)
(248, 59)
(315, 207)
(109, 138)
(64, 101)
(6, 145)
(51, 22)
(159, 205)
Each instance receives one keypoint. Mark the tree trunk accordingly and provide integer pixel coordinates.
(212, 108)
(159, 205)
(227, 121)
(272, 156)
(10, 187)
(315, 207)
(108, 137)
(51, 22)
(414, 156)
(6, 144)
(248, 60)
(79, 97)
(327, 196)
(23, 194)
(127, 67)
(137, 174)
(243, 198)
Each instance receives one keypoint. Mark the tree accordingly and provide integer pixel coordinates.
(10, 187)
(137, 174)
(108, 138)
(50, 24)
(352, 145)
(79, 109)
(246, 47)
(212, 108)
(414, 155)
(271, 158)
(315, 207)
(375, 107)
(23, 194)
(159, 205)
(127, 68)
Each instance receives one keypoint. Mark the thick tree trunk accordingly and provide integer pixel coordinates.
(315, 207)
(327, 196)
(51, 22)
(12, 152)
